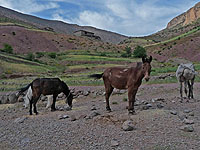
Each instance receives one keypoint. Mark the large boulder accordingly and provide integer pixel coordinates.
(4, 99)
(12, 98)
(128, 125)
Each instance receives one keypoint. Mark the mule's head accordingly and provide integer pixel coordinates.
(69, 99)
(69, 95)
(146, 66)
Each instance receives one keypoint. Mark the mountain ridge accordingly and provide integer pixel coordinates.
(59, 26)
(188, 17)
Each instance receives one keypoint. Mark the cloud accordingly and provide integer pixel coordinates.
(28, 6)
(134, 18)
(95, 19)
(128, 17)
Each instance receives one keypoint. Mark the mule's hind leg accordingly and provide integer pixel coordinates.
(34, 104)
(108, 89)
(53, 106)
(31, 102)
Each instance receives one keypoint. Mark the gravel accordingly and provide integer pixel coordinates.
(154, 128)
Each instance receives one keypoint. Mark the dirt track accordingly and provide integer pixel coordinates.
(155, 128)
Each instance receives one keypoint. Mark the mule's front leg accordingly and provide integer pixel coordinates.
(192, 83)
(189, 87)
(53, 106)
(131, 100)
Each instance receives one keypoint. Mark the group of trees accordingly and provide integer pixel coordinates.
(30, 56)
(138, 52)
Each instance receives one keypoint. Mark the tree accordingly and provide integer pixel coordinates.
(127, 53)
(139, 52)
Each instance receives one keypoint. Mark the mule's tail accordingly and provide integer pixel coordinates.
(28, 97)
(24, 89)
(96, 76)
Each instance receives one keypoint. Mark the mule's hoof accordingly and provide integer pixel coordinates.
(53, 109)
(132, 113)
(109, 111)
(36, 113)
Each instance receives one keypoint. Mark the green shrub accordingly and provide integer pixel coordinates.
(52, 55)
(7, 48)
(123, 55)
(128, 51)
(139, 52)
(30, 56)
(102, 54)
(39, 54)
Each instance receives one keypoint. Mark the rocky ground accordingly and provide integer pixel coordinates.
(162, 122)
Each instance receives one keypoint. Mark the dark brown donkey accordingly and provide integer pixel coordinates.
(125, 78)
(47, 86)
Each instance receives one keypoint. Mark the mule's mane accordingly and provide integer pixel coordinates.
(139, 64)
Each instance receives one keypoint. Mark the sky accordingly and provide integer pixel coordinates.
(127, 17)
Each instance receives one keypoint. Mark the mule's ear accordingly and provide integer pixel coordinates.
(143, 59)
(150, 59)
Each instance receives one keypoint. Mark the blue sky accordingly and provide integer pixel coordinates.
(127, 17)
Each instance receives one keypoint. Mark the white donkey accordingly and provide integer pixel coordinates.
(29, 95)
(186, 73)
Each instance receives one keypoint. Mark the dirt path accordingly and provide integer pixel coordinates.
(155, 128)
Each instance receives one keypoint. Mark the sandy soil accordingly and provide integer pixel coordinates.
(155, 128)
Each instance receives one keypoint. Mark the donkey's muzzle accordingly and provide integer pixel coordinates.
(147, 78)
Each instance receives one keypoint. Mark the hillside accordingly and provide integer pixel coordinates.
(180, 39)
(57, 26)
(30, 40)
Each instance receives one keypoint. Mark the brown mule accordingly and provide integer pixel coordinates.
(47, 86)
(125, 78)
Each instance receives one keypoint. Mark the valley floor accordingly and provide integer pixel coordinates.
(89, 127)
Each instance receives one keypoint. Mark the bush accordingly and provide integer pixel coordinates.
(52, 55)
(30, 56)
(39, 54)
(7, 48)
(123, 55)
(139, 52)
(102, 54)
(128, 51)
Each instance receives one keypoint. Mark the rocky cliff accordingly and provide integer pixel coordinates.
(192, 15)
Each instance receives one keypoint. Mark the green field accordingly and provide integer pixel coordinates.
(73, 73)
